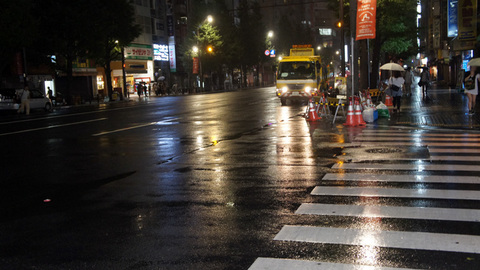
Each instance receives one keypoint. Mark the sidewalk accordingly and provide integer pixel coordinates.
(444, 108)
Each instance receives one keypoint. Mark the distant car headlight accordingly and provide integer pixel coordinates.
(308, 89)
(284, 89)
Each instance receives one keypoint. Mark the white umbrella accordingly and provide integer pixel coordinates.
(392, 66)
(474, 62)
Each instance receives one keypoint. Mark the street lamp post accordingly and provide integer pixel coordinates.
(199, 50)
(124, 75)
(342, 39)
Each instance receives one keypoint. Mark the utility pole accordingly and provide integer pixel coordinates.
(342, 39)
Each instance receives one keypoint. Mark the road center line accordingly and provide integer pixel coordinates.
(50, 127)
(167, 121)
(124, 129)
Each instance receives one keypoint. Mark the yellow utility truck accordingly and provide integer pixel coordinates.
(299, 75)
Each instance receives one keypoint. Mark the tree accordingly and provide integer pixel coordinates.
(204, 34)
(251, 33)
(67, 39)
(396, 36)
(115, 29)
(17, 31)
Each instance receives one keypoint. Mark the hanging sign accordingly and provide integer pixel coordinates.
(467, 20)
(366, 19)
(196, 65)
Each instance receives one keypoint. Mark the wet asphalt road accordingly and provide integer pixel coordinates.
(233, 181)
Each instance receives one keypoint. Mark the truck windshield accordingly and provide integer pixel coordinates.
(296, 70)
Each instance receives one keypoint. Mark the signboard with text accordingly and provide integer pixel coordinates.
(171, 53)
(195, 65)
(366, 19)
(139, 52)
(467, 20)
(160, 52)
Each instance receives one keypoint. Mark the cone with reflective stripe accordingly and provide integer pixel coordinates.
(388, 101)
(358, 114)
(350, 115)
(312, 111)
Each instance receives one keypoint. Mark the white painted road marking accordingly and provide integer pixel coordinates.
(379, 238)
(397, 192)
(53, 126)
(288, 264)
(406, 167)
(402, 178)
(373, 211)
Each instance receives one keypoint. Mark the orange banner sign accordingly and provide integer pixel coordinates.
(195, 65)
(366, 13)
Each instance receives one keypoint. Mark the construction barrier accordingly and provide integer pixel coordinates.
(312, 111)
(322, 106)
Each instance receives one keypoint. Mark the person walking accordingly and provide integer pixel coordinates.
(409, 80)
(395, 84)
(471, 88)
(424, 81)
(24, 101)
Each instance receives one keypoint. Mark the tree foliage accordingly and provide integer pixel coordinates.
(65, 28)
(17, 31)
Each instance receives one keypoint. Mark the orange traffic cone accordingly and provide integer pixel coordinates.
(350, 115)
(312, 112)
(358, 114)
(388, 101)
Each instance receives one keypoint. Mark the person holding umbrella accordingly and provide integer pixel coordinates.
(395, 84)
(471, 88)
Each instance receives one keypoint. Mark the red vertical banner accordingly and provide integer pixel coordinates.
(366, 19)
(19, 63)
(195, 65)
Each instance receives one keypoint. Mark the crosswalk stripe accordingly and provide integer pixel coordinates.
(419, 143)
(289, 264)
(380, 238)
(396, 134)
(406, 167)
(372, 211)
(397, 192)
(402, 178)
(367, 132)
(456, 150)
(423, 139)
(455, 158)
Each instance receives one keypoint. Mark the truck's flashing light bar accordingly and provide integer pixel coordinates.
(302, 46)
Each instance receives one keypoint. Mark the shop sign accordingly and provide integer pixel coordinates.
(139, 52)
(452, 18)
(170, 26)
(171, 53)
(366, 19)
(160, 52)
(467, 19)
(436, 33)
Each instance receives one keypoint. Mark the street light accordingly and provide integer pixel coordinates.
(124, 76)
(198, 50)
